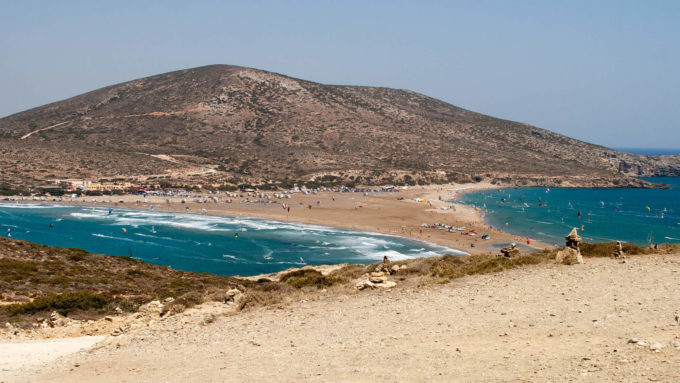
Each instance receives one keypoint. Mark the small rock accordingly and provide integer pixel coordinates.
(153, 307)
(656, 347)
(117, 332)
(118, 310)
(108, 318)
(387, 284)
(56, 320)
(361, 285)
(377, 279)
(569, 256)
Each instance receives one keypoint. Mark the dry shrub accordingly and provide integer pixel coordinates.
(668, 248)
(606, 249)
(214, 294)
(309, 277)
(62, 303)
(420, 266)
(349, 272)
(182, 303)
(16, 270)
(449, 266)
(254, 298)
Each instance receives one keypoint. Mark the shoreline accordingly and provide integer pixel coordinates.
(390, 213)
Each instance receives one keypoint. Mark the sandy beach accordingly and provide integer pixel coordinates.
(395, 213)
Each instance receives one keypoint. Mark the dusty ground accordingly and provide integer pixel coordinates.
(541, 323)
(381, 212)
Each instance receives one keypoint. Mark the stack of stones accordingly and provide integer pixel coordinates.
(571, 254)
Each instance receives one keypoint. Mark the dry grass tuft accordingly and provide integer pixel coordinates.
(451, 267)
(309, 277)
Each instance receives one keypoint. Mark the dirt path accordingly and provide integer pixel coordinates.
(542, 323)
(25, 136)
(15, 358)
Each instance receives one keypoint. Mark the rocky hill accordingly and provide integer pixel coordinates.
(225, 124)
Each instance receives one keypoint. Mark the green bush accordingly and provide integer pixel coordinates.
(76, 254)
(15, 270)
(62, 303)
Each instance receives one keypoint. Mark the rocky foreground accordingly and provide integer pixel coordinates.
(601, 321)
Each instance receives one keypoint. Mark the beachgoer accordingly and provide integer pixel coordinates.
(618, 251)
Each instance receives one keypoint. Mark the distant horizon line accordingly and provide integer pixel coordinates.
(647, 150)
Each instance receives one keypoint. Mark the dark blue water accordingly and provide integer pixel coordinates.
(204, 243)
(638, 216)
(650, 151)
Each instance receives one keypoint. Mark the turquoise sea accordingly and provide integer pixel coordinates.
(203, 243)
(639, 216)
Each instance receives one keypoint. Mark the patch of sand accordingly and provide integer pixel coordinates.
(17, 358)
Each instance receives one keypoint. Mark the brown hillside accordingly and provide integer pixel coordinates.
(231, 124)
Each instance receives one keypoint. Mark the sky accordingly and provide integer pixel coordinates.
(606, 72)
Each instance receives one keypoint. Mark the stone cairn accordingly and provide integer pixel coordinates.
(570, 254)
(510, 251)
(618, 250)
(379, 277)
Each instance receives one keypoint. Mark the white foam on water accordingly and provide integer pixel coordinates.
(233, 257)
(541, 222)
(13, 205)
(393, 255)
(366, 245)
(112, 237)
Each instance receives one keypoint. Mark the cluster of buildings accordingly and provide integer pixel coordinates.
(85, 185)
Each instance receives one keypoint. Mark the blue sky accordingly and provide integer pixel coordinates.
(607, 72)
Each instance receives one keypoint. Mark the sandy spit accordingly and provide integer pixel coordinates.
(388, 213)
